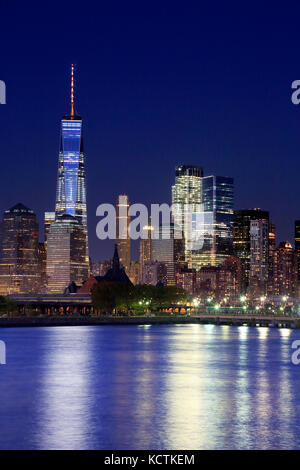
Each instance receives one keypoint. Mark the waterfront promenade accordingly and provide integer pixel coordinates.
(203, 318)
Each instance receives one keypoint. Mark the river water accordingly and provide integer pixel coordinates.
(149, 387)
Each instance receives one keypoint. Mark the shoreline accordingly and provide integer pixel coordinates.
(255, 321)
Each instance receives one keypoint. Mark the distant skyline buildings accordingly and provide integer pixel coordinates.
(19, 258)
(122, 231)
(202, 238)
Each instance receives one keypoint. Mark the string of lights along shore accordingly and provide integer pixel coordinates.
(239, 258)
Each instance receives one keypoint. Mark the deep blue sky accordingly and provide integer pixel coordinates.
(157, 84)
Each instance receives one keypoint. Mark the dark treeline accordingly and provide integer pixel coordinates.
(114, 297)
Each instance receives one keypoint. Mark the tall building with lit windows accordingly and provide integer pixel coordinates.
(19, 263)
(297, 245)
(48, 220)
(71, 184)
(259, 250)
(168, 248)
(214, 224)
(122, 231)
(66, 254)
(241, 235)
(186, 198)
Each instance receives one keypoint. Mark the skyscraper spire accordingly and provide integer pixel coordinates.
(72, 90)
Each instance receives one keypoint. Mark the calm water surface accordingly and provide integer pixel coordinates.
(149, 387)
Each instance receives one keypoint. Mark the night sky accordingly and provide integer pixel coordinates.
(157, 84)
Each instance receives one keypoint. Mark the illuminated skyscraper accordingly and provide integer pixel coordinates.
(259, 250)
(122, 231)
(214, 225)
(145, 247)
(71, 186)
(186, 197)
(19, 269)
(241, 235)
(66, 249)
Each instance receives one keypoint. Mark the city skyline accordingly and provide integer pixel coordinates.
(147, 111)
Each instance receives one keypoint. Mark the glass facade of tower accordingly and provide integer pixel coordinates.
(214, 225)
(71, 187)
(186, 200)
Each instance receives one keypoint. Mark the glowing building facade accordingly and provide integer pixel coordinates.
(66, 254)
(213, 226)
(186, 198)
(19, 265)
(241, 235)
(71, 185)
(122, 231)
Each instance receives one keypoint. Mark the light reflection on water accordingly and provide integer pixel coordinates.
(149, 387)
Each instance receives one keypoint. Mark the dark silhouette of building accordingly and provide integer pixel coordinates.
(115, 274)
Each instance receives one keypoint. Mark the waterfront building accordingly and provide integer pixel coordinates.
(71, 184)
(186, 192)
(19, 270)
(297, 245)
(271, 258)
(230, 279)
(241, 235)
(122, 231)
(186, 279)
(206, 281)
(168, 248)
(285, 270)
(66, 254)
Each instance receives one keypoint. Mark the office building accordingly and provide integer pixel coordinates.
(19, 270)
(241, 235)
(122, 231)
(71, 184)
(66, 254)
